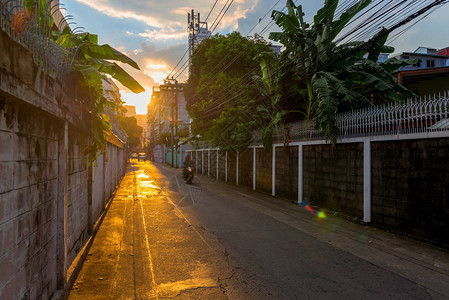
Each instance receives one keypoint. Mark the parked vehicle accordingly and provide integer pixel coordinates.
(142, 156)
(187, 174)
(134, 155)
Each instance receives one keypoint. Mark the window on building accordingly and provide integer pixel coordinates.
(431, 64)
(418, 64)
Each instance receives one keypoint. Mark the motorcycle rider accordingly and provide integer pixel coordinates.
(187, 172)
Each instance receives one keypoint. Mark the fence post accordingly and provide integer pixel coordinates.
(217, 165)
(181, 158)
(254, 168)
(202, 162)
(273, 172)
(196, 161)
(208, 162)
(237, 169)
(300, 173)
(367, 180)
(226, 166)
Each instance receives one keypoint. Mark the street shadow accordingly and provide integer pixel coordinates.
(183, 194)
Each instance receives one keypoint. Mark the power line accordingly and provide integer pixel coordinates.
(402, 22)
(216, 71)
(185, 53)
(215, 23)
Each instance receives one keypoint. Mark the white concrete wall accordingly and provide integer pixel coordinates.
(48, 199)
(98, 201)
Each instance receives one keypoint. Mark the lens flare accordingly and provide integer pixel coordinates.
(309, 208)
(321, 215)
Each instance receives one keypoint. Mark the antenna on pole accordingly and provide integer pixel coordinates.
(198, 31)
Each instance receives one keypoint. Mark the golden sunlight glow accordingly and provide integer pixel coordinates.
(158, 77)
(157, 71)
(140, 101)
(164, 34)
(155, 66)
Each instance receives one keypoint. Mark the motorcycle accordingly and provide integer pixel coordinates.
(187, 174)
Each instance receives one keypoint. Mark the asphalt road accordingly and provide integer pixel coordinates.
(284, 260)
(212, 240)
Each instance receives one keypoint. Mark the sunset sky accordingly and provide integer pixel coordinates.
(154, 33)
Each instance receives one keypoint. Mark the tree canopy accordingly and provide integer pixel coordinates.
(316, 77)
(329, 77)
(220, 93)
(134, 131)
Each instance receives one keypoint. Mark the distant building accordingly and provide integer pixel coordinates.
(59, 20)
(130, 110)
(429, 58)
(430, 76)
(276, 49)
(202, 34)
(444, 52)
(167, 101)
(112, 93)
(141, 121)
(425, 82)
(383, 57)
(198, 31)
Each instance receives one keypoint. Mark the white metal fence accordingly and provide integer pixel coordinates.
(423, 114)
(418, 119)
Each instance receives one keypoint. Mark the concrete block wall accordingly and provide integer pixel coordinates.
(263, 170)
(333, 177)
(45, 193)
(232, 164)
(411, 187)
(98, 181)
(221, 165)
(400, 184)
(33, 178)
(207, 163)
(108, 185)
(28, 199)
(213, 164)
(246, 168)
(77, 196)
(287, 172)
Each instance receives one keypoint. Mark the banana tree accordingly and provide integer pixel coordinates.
(271, 110)
(91, 65)
(331, 77)
(308, 47)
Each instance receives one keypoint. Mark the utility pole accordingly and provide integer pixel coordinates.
(176, 121)
(198, 31)
(193, 27)
(171, 84)
(172, 135)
